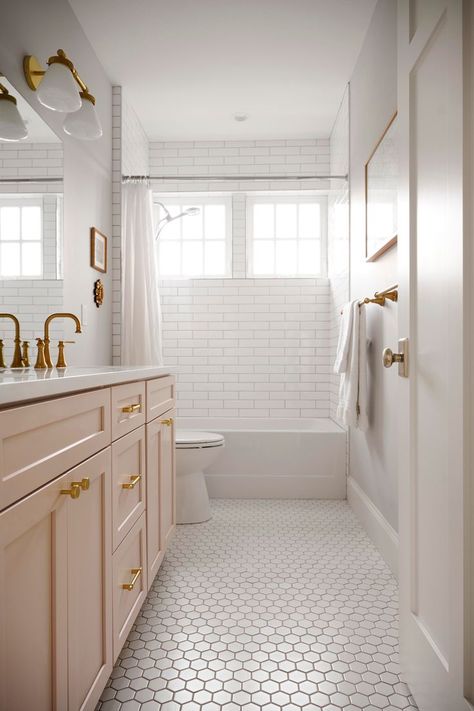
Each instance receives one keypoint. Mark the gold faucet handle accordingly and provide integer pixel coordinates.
(61, 362)
(40, 359)
(2, 360)
(25, 353)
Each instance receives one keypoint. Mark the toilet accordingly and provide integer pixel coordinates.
(195, 451)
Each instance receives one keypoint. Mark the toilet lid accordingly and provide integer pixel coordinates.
(193, 438)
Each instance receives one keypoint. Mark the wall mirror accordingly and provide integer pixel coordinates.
(381, 194)
(31, 223)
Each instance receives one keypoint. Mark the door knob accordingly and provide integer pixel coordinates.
(389, 357)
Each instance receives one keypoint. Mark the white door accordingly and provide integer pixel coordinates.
(431, 315)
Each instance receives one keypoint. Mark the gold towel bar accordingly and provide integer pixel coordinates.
(381, 296)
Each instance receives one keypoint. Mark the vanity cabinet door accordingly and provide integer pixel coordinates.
(128, 483)
(90, 583)
(33, 609)
(160, 489)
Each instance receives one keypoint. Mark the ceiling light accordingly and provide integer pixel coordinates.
(12, 126)
(60, 88)
(84, 124)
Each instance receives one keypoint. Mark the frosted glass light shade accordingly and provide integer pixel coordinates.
(83, 124)
(12, 126)
(58, 90)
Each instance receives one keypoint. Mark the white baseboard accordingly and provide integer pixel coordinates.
(379, 530)
(275, 487)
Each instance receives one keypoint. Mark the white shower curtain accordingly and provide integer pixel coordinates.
(141, 335)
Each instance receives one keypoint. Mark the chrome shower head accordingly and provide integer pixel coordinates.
(168, 217)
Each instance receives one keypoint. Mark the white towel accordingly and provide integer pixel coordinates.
(352, 407)
(344, 342)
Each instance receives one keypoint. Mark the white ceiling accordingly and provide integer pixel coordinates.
(189, 65)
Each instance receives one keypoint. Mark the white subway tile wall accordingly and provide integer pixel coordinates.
(32, 300)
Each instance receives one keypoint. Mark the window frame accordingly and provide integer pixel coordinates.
(297, 198)
(25, 201)
(199, 200)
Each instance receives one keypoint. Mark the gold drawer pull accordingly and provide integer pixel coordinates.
(84, 484)
(168, 422)
(136, 572)
(133, 480)
(131, 408)
(74, 492)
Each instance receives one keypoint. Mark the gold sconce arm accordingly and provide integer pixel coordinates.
(34, 72)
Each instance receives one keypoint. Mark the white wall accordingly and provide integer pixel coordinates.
(39, 28)
(246, 347)
(373, 94)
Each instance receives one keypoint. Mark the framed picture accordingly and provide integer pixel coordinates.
(381, 194)
(98, 250)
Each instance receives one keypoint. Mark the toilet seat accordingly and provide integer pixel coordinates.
(190, 439)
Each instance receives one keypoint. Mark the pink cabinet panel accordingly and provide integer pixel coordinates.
(128, 483)
(160, 396)
(128, 408)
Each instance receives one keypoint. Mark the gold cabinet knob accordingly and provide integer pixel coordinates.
(389, 357)
(168, 421)
(131, 408)
(136, 572)
(134, 479)
(74, 492)
(84, 484)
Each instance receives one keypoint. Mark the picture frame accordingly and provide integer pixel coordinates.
(381, 194)
(98, 250)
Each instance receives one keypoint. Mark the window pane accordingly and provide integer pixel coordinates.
(309, 257)
(192, 258)
(192, 224)
(286, 257)
(263, 257)
(285, 221)
(31, 222)
(310, 221)
(169, 259)
(170, 230)
(263, 227)
(214, 259)
(31, 259)
(10, 223)
(10, 260)
(214, 221)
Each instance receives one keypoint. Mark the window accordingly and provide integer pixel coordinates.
(286, 236)
(21, 236)
(197, 245)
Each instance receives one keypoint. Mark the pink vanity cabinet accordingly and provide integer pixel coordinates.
(81, 489)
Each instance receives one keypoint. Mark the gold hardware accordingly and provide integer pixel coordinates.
(168, 422)
(74, 492)
(84, 484)
(40, 361)
(17, 361)
(47, 340)
(5, 94)
(61, 362)
(133, 480)
(34, 72)
(380, 297)
(136, 572)
(389, 357)
(2, 360)
(131, 408)
(98, 293)
(25, 354)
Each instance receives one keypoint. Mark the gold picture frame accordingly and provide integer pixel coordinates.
(381, 194)
(98, 250)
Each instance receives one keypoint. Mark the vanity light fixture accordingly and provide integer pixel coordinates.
(60, 88)
(12, 126)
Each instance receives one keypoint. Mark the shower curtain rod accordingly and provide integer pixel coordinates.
(212, 178)
(31, 180)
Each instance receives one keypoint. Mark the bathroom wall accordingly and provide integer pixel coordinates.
(373, 454)
(338, 232)
(39, 28)
(246, 347)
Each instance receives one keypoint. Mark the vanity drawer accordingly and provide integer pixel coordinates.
(40, 441)
(128, 408)
(128, 483)
(160, 396)
(130, 585)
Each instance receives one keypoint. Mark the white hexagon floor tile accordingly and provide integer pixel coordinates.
(270, 606)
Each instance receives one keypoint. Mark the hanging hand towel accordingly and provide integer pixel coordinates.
(345, 332)
(352, 408)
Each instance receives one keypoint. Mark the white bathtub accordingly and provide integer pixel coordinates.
(276, 458)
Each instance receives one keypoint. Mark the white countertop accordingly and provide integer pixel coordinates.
(22, 384)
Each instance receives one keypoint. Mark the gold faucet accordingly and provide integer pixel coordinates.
(2, 360)
(17, 361)
(47, 340)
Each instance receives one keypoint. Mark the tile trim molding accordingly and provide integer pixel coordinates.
(382, 534)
